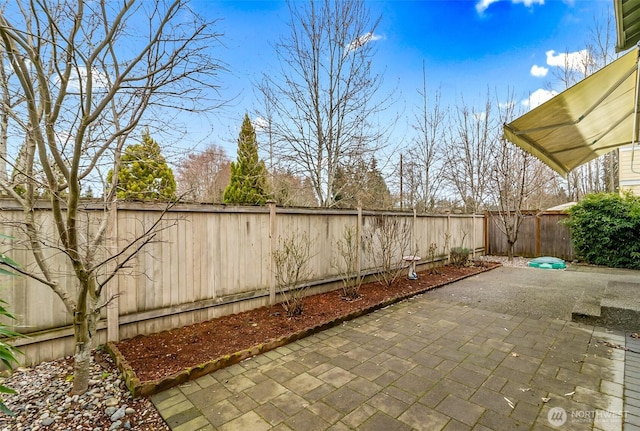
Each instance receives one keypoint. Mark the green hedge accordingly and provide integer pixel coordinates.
(605, 230)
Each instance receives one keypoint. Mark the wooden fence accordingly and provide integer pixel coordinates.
(541, 234)
(209, 261)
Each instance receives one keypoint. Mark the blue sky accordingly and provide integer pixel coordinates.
(468, 47)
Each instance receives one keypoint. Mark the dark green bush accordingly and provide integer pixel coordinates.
(459, 256)
(8, 353)
(605, 230)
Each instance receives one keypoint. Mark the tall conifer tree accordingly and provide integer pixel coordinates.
(248, 183)
(144, 174)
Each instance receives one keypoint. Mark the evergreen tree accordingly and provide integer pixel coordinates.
(376, 187)
(361, 182)
(248, 183)
(144, 174)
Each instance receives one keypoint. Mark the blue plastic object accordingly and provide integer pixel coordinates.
(547, 262)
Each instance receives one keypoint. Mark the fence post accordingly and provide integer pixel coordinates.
(537, 235)
(486, 233)
(113, 288)
(359, 243)
(449, 236)
(473, 242)
(413, 234)
(273, 237)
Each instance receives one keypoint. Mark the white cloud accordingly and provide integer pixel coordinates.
(260, 124)
(528, 3)
(538, 97)
(361, 41)
(479, 116)
(568, 60)
(506, 105)
(79, 78)
(483, 5)
(539, 71)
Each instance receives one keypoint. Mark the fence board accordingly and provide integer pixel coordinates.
(541, 234)
(555, 238)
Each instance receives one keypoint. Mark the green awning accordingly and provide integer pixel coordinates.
(592, 118)
(627, 13)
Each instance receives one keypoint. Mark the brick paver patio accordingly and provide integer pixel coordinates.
(424, 364)
(632, 384)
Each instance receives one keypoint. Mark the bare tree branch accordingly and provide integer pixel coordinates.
(325, 95)
(83, 76)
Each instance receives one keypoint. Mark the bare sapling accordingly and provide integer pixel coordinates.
(347, 263)
(445, 247)
(432, 254)
(292, 266)
(389, 239)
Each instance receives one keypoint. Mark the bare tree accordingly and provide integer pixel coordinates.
(291, 190)
(576, 66)
(600, 174)
(515, 177)
(325, 95)
(6, 100)
(602, 48)
(468, 156)
(264, 122)
(81, 77)
(203, 177)
(411, 174)
(602, 39)
(425, 164)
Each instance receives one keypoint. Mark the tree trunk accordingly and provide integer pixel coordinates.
(85, 324)
(510, 245)
(82, 363)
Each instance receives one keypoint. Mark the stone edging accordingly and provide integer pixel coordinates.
(148, 388)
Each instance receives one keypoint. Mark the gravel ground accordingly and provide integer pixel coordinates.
(43, 401)
(517, 262)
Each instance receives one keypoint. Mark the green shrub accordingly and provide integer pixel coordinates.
(8, 353)
(459, 256)
(605, 230)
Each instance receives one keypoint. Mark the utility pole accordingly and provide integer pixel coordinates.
(401, 197)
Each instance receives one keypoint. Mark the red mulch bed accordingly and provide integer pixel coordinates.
(157, 356)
